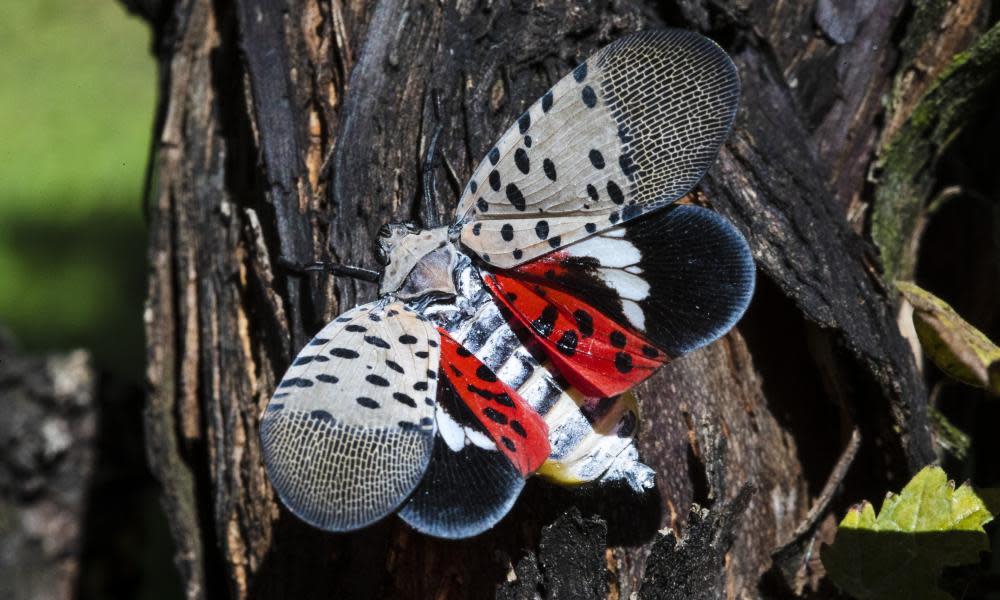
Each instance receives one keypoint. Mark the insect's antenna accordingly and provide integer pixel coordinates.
(430, 216)
(353, 272)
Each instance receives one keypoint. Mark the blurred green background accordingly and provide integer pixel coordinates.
(76, 114)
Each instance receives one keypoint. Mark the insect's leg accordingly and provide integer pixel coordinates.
(430, 216)
(330, 267)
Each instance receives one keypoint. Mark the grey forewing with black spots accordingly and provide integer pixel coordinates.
(350, 429)
(630, 130)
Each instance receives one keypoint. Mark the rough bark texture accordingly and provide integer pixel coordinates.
(47, 452)
(295, 128)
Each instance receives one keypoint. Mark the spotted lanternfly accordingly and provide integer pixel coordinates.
(505, 344)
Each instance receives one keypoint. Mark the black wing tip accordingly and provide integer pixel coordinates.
(702, 275)
(430, 524)
(737, 291)
(463, 494)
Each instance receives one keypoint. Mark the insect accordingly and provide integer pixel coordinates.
(504, 345)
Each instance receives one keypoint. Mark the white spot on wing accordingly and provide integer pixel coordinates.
(634, 314)
(611, 252)
(480, 440)
(451, 432)
(628, 286)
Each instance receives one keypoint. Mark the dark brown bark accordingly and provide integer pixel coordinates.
(48, 445)
(297, 128)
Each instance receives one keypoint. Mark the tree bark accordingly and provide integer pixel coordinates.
(296, 128)
(48, 437)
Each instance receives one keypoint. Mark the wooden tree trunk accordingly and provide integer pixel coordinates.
(295, 128)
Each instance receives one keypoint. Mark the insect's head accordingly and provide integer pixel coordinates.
(416, 261)
(389, 237)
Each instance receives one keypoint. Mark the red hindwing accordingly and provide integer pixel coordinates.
(517, 430)
(595, 354)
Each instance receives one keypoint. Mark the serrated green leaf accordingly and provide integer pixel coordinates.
(901, 551)
(956, 347)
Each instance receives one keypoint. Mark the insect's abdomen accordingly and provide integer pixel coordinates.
(586, 436)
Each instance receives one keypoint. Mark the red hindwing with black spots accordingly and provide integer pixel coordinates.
(517, 430)
(595, 354)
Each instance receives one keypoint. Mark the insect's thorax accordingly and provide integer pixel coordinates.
(416, 261)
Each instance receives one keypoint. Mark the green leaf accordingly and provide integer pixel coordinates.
(901, 552)
(956, 347)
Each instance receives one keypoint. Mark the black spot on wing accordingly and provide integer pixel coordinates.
(549, 168)
(299, 382)
(366, 402)
(483, 372)
(377, 380)
(596, 158)
(618, 339)
(515, 197)
(305, 360)
(404, 399)
(376, 341)
(321, 415)
(523, 123)
(521, 161)
(504, 399)
(542, 229)
(343, 353)
(495, 416)
(546, 321)
(615, 193)
(567, 343)
(584, 322)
